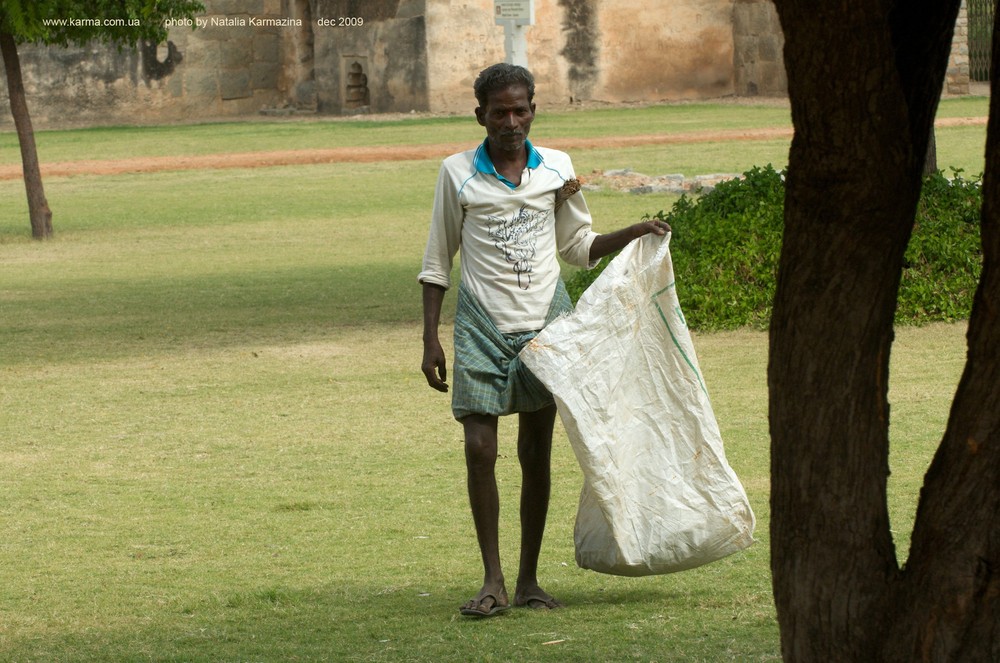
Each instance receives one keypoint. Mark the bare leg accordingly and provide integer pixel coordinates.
(534, 451)
(480, 462)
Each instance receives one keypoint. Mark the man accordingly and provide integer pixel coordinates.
(498, 203)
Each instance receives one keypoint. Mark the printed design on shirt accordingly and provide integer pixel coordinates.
(516, 238)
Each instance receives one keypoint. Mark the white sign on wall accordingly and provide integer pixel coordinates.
(520, 12)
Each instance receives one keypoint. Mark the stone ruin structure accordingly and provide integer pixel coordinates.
(245, 57)
(757, 44)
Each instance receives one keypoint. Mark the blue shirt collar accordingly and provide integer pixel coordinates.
(485, 165)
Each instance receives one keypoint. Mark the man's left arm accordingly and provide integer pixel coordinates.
(579, 245)
(610, 242)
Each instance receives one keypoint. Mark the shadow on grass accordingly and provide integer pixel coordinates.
(357, 622)
(105, 319)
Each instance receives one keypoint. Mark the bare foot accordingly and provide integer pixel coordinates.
(535, 597)
(487, 602)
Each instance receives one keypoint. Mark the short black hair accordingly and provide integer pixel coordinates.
(501, 76)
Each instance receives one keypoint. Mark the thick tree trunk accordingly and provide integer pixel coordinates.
(864, 84)
(848, 211)
(38, 206)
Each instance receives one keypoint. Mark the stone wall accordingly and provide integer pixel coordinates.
(370, 56)
(758, 42)
(957, 78)
(353, 56)
(758, 63)
(588, 50)
(653, 50)
(232, 65)
(226, 67)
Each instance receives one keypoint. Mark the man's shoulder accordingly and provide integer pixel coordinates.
(549, 152)
(553, 157)
(460, 160)
(459, 166)
(556, 161)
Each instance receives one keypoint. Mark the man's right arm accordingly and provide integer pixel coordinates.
(443, 242)
(434, 365)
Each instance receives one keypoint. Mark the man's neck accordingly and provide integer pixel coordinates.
(509, 164)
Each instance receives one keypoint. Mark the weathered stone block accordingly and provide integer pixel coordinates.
(305, 94)
(174, 85)
(769, 48)
(741, 18)
(214, 33)
(762, 19)
(238, 6)
(264, 75)
(749, 83)
(235, 84)
(741, 55)
(236, 53)
(411, 9)
(202, 84)
(959, 87)
(199, 54)
(266, 48)
(774, 81)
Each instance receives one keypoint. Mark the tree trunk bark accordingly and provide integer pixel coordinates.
(864, 83)
(38, 206)
(930, 162)
(830, 335)
(952, 578)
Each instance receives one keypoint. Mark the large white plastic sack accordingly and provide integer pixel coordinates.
(658, 494)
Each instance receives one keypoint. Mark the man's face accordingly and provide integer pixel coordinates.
(507, 117)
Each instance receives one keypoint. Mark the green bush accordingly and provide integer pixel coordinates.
(726, 243)
(945, 255)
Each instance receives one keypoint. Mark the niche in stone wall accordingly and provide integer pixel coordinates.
(357, 96)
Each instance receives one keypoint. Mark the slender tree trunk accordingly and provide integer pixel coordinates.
(38, 206)
(952, 578)
(864, 80)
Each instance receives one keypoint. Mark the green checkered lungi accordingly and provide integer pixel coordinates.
(489, 378)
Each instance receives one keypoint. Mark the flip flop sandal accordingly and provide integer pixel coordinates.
(496, 609)
(538, 603)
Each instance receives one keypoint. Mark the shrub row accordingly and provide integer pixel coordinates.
(726, 243)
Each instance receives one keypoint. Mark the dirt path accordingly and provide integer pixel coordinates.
(393, 152)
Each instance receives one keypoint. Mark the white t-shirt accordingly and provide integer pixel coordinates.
(509, 236)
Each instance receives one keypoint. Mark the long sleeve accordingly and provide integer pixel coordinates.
(574, 234)
(445, 235)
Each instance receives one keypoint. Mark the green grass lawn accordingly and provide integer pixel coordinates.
(216, 444)
(284, 134)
